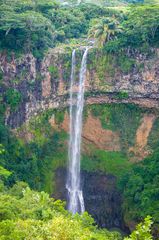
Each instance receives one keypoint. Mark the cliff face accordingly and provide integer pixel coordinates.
(111, 139)
(120, 118)
(130, 78)
(102, 199)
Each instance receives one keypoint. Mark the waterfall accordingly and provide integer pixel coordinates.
(75, 194)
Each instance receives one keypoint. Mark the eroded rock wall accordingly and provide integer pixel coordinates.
(102, 198)
(131, 78)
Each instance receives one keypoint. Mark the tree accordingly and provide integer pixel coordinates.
(27, 214)
(105, 30)
(142, 25)
(143, 231)
(25, 27)
(4, 173)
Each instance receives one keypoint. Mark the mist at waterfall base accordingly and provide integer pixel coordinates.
(73, 185)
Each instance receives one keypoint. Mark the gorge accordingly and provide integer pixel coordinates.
(111, 142)
(79, 120)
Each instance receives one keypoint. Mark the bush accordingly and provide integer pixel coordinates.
(34, 215)
(13, 97)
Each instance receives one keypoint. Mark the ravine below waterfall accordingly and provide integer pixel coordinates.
(102, 198)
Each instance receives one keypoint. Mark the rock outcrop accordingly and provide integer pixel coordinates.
(94, 133)
(44, 84)
(102, 199)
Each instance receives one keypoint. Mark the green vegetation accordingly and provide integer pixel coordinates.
(9, 98)
(123, 118)
(54, 71)
(140, 187)
(1, 76)
(35, 26)
(105, 30)
(33, 161)
(115, 163)
(12, 98)
(48, 150)
(143, 231)
(30, 215)
(154, 136)
(125, 63)
(107, 66)
(34, 151)
(103, 64)
(24, 27)
(138, 182)
(122, 95)
(36, 161)
(140, 29)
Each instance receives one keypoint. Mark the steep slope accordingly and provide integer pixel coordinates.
(119, 128)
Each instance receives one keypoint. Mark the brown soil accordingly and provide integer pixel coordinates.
(140, 149)
(94, 133)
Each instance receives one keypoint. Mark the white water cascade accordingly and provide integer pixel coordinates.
(75, 194)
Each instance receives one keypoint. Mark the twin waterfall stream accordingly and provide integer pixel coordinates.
(73, 185)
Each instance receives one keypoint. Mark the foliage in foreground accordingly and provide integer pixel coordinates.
(31, 215)
(143, 231)
(26, 214)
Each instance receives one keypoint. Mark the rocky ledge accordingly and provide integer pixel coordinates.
(44, 84)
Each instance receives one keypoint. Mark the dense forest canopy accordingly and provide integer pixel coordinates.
(37, 25)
